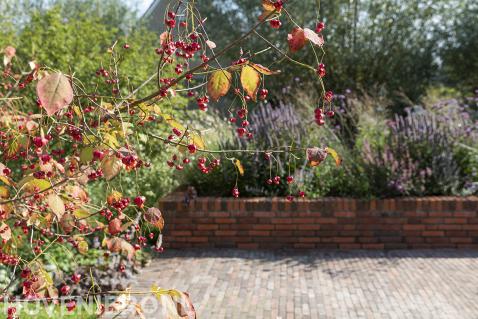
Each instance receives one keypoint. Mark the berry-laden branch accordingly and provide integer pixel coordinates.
(81, 138)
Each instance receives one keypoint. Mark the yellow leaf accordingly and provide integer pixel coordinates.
(250, 80)
(219, 84)
(83, 247)
(31, 184)
(262, 69)
(239, 166)
(173, 123)
(81, 213)
(111, 167)
(56, 205)
(197, 140)
(4, 192)
(335, 155)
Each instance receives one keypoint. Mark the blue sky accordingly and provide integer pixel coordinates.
(142, 5)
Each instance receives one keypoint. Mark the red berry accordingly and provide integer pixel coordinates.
(235, 192)
(76, 278)
(263, 94)
(177, 132)
(126, 46)
(277, 180)
(301, 194)
(329, 95)
(192, 148)
(320, 27)
(71, 305)
(290, 179)
(139, 201)
(290, 198)
(65, 290)
(275, 23)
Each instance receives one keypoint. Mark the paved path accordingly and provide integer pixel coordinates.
(313, 284)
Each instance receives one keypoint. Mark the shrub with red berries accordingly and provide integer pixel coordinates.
(74, 138)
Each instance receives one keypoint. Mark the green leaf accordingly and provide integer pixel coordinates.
(86, 155)
(250, 80)
(219, 84)
(81, 213)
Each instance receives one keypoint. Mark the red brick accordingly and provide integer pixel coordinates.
(197, 239)
(344, 214)
(455, 220)
(413, 227)
(306, 227)
(288, 227)
(180, 233)
(264, 214)
(262, 227)
(350, 246)
(304, 220)
(461, 240)
(207, 227)
(219, 214)
(225, 220)
(259, 233)
(282, 220)
(225, 232)
(437, 233)
(324, 220)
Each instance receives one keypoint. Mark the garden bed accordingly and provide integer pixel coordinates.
(330, 223)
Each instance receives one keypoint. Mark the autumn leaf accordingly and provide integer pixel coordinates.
(313, 37)
(268, 8)
(83, 247)
(219, 84)
(111, 167)
(250, 80)
(86, 155)
(54, 92)
(56, 205)
(116, 244)
(296, 39)
(210, 44)
(154, 217)
(113, 197)
(334, 155)
(4, 192)
(262, 69)
(239, 166)
(81, 213)
(198, 140)
(178, 305)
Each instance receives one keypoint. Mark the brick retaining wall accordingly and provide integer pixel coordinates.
(333, 223)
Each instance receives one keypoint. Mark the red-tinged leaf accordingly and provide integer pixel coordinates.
(316, 155)
(154, 217)
(296, 39)
(56, 205)
(177, 304)
(9, 52)
(165, 37)
(219, 84)
(54, 92)
(111, 167)
(116, 244)
(5, 232)
(262, 69)
(76, 192)
(313, 37)
(334, 155)
(210, 44)
(250, 80)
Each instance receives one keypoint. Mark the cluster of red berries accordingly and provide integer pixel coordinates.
(321, 70)
(203, 102)
(121, 204)
(8, 260)
(95, 174)
(201, 165)
(171, 19)
(320, 116)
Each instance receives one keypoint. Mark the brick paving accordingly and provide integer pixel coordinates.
(318, 284)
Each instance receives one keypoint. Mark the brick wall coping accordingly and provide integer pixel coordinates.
(176, 202)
